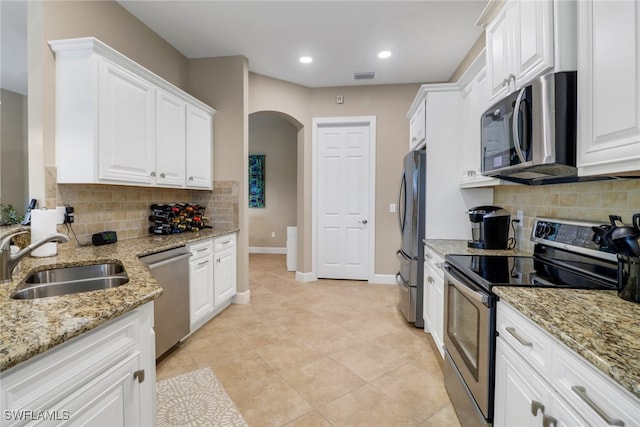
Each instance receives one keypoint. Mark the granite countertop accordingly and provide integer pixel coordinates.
(30, 327)
(598, 325)
(459, 247)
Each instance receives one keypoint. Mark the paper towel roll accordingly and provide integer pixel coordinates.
(43, 224)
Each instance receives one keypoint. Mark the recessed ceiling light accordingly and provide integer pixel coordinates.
(384, 54)
(306, 59)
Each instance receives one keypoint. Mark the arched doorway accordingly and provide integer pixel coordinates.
(273, 135)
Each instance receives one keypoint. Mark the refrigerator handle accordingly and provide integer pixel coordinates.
(401, 206)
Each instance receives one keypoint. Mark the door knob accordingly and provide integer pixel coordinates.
(364, 221)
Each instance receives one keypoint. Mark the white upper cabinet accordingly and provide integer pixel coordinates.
(199, 149)
(475, 100)
(609, 87)
(526, 39)
(418, 124)
(171, 140)
(119, 123)
(126, 117)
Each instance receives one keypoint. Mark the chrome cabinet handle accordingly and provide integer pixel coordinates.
(139, 375)
(203, 262)
(582, 393)
(226, 242)
(521, 340)
(190, 178)
(430, 279)
(548, 421)
(162, 175)
(153, 174)
(535, 407)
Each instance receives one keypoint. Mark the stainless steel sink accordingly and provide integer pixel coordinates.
(71, 280)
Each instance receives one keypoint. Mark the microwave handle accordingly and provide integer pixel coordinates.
(514, 127)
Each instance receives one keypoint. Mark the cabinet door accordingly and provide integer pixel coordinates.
(111, 399)
(200, 291)
(199, 148)
(499, 40)
(437, 301)
(417, 126)
(609, 87)
(224, 281)
(520, 395)
(171, 140)
(426, 299)
(533, 40)
(127, 126)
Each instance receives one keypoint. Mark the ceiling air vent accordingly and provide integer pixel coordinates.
(367, 75)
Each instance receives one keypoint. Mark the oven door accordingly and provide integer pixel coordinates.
(469, 339)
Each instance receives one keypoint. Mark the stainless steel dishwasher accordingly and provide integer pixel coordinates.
(171, 310)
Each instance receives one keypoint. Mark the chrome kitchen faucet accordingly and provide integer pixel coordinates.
(8, 262)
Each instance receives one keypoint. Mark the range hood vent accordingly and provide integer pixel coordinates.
(367, 75)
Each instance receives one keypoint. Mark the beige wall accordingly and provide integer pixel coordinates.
(13, 151)
(275, 137)
(587, 200)
(389, 103)
(223, 84)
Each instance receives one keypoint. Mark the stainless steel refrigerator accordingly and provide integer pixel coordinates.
(411, 218)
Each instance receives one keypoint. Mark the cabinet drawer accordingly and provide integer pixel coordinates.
(201, 249)
(41, 382)
(224, 242)
(598, 399)
(526, 338)
(434, 260)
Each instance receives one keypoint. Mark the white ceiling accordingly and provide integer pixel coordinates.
(428, 39)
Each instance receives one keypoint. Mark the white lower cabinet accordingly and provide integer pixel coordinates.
(433, 298)
(541, 382)
(201, 283)
(212, 278)
(225, 271)
(105, 376)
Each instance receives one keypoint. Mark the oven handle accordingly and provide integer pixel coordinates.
(465, 289)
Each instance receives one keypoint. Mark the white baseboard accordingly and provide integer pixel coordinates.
(242, 297)
(306, 277)
(383, 279)
(261, 250)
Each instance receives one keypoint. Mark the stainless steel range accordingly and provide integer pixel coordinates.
(567, 254)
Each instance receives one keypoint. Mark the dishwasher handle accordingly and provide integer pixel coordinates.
(168, 261)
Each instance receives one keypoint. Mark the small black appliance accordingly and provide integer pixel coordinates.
(489, 227)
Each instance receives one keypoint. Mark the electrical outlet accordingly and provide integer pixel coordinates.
(392, 207)
(273, 234)
(520, 218)
(68, 216)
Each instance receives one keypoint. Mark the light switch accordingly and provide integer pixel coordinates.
(392, 207)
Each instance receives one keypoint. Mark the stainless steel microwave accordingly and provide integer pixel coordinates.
(530, 135)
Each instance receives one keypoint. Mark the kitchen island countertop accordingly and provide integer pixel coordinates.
(30, 327)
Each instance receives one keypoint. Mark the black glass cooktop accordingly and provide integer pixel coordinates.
(578, 273)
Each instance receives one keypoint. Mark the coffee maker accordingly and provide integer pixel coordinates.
(489, 227)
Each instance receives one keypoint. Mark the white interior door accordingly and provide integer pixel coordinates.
(343, 195)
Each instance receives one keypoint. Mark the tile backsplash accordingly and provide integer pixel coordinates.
(125, 209)
(593, 201)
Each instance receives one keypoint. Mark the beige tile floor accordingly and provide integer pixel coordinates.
(325, 353)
